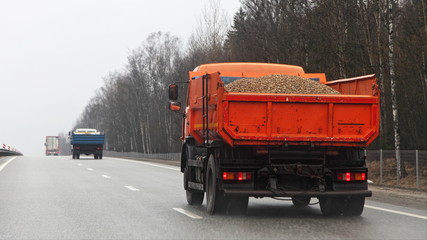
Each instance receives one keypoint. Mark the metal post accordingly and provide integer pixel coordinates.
(416, 168)
(381, 166)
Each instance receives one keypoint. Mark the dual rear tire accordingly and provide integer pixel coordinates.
(194, 197)
(352, 206)
(301, 201)
(215, 199)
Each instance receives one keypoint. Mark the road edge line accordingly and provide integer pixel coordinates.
(397, 212)
(132, 188)
(7, 162)
(187, 213)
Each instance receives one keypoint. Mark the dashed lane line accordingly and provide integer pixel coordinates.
(5, 164)
(187, 213)
(106, 176)
(397, 212)
(132, 188)
(89, 169)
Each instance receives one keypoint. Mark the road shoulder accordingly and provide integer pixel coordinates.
(400, 197)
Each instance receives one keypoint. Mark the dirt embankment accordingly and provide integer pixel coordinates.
(389, 173)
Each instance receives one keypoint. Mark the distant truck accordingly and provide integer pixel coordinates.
(52, 145)
(87, 141)
(238, 145)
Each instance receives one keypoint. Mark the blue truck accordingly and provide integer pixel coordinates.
(87, 141)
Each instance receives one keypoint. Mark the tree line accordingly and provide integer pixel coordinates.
(340, 38)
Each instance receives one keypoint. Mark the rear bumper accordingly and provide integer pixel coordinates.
(88, 152)
(277, 193)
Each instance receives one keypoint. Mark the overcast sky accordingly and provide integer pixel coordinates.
(54, 55)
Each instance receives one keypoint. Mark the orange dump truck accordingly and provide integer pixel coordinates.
(295, 146)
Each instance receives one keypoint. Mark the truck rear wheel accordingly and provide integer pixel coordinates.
(331, 206)
(237, 205)
(301, 201)
(354, 206)
(193, 197)
(215, 200)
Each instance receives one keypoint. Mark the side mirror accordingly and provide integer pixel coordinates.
(175, 106)
(173, 92)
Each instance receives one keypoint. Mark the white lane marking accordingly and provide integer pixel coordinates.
(90, 169)
(151, 164)
(5, 164)
(106, 176)
(132, 188)
(187, 213)
(397, 212)
(79, 164)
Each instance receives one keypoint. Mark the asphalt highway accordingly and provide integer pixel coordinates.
(64, 198)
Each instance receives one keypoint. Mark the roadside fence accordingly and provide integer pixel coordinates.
(382, 167)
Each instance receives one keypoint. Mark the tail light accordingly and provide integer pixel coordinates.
(351, 176)
(236, 176)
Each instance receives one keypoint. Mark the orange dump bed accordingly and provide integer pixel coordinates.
(350, 119)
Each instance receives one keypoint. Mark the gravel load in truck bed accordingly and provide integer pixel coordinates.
(279, 84)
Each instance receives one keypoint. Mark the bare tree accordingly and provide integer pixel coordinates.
(207, 41)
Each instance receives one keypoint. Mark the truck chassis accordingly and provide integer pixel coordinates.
(278, 172)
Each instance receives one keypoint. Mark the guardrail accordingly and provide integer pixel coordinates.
(163, 156)
(6, 150)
